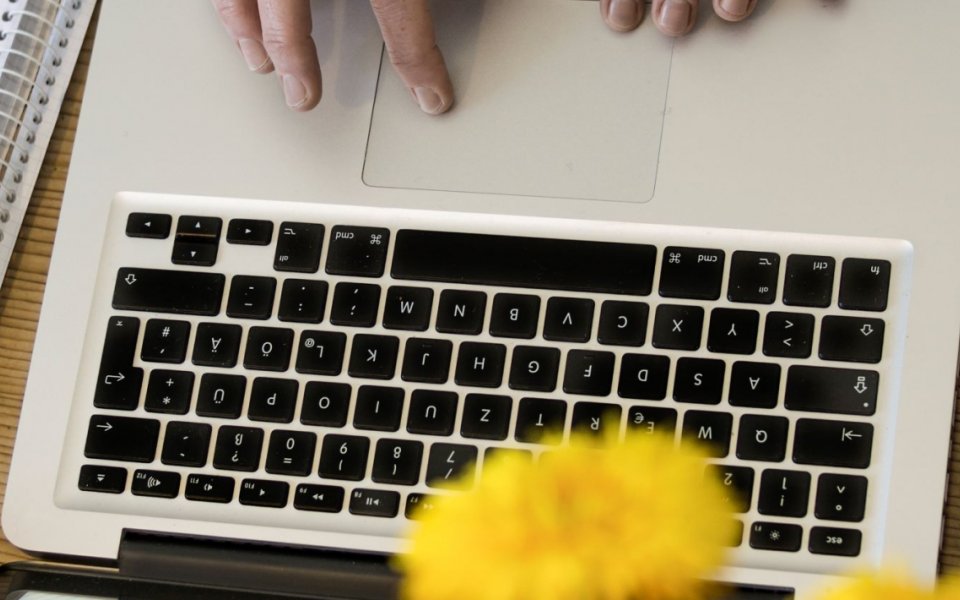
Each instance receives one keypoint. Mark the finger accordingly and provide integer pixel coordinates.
(734, 10)
(242, 20)
(675, 17)
(408, 33)
(622, 15)
(286, 26)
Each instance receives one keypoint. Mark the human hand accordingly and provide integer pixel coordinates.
(672, 17)
(276, 35)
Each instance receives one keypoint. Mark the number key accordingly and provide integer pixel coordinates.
(291, 452)
(344, 457)
(397, 461)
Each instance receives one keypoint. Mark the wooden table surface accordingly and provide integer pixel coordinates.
(22, 292)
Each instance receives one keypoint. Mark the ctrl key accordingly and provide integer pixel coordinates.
(96, 478)
(374, 503)
(209, 488)
(835, 541)
(775, 536)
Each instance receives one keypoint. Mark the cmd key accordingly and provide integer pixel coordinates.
(122, 438)
(691, 273)
(358, 251)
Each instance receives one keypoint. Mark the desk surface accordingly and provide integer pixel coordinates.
(22, 292)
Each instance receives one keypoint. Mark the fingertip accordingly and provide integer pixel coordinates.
(734, 10)
(622, 16)
(675, 17)
(300, 95)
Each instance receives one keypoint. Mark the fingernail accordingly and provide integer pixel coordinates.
(675, 16)
(735, 8)
(428, 100)
(623, 13)
(254, 53)
(294, 91)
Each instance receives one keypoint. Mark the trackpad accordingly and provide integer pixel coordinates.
(549, 103)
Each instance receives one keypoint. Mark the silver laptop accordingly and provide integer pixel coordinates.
(268, 336)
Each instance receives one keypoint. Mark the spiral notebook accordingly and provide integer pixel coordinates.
(40, 41)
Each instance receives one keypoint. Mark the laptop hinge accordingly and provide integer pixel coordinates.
(275, 571)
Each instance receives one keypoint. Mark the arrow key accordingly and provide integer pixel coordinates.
(201, 254)
(249, 232)
(258, 492)
(148, 225)
(122, 438)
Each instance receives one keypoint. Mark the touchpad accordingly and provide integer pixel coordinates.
(549, 103)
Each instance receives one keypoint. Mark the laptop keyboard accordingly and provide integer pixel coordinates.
(333, 368)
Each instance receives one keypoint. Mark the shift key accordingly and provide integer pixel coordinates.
(179, 292)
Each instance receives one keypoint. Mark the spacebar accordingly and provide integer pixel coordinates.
(181, 292)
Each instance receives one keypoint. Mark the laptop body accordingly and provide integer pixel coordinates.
(809, 119)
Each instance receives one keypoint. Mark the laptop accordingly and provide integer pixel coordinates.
(746, 237)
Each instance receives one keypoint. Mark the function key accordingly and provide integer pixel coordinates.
(838, 391)
(157, 484)
(408, 308)
(833, 443)
(788, 335)
(209, 488)
(148, 225)
(249, 232)
(809, 280)
(691, 273)
(851, 339)
(781, 537)
(259, 492)
(374, 503)
(197, 240)
(841, 497)
(461, 312)
(298, 247)
(418, 504)
(568, 320)
(515, 316)
(251, 297)
(733, 331)
(319, 498)
(98, 478)
(122, 438)
(357, 251)
(302, 301)
(623, 323)
(355, 304)
(864, 284)
(678, 327)
(753, 277)
(835, 541)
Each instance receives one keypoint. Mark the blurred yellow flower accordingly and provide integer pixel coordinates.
(892, 585)
(633, 519)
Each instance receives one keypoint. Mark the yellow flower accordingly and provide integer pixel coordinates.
(634, 519)
(891, 586)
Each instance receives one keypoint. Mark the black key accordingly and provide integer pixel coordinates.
(291, 452)
(260, 492)
(789, 335)
(809, 280)
(595, 418)
(461, 312)
(534, 368)
(678, 327)
(451, 464)
(373, 356)
(196, 241)
(756, 385)
(298, 247)
(486, 417)
(194, 253)
(568, 320)
(432, 412)
(839, 391)
(378, 408)
(199, 228)
(494, 453)
(833, 443)
(418, 504)
(851, 339)
(344, 457)
(122, 438)
(588, 372)
(186, 444)
(157, 484)
(272, 400)
(513, 261)
(762, 438)
(737, 484)
(321, 352)
(515, 316)
(165, 341)
(784, 493)
(209, 488)
(325, 404)
(98, 478)
(426, 361)
(623, 323)
(835, 541)
(540, 420)
(699, 380)
(753, 277)
(249, 232)
(251, 297)
(318, 498)
(357, 251)
(781, 537)
(733, 331)
(238, 448)
(181, 292)
(408, 308)
(221, 395)
(148, 225)
(169, 392)
(355, 304)
(374, 503)
(711, 430)
(691, 273)
(643, 377)
(397, 462)
(841, 497)
(302, 301)
(217, 345)
(864, 284)
(480, 365)
(651, 419)
(118, 381)
(268, 349)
